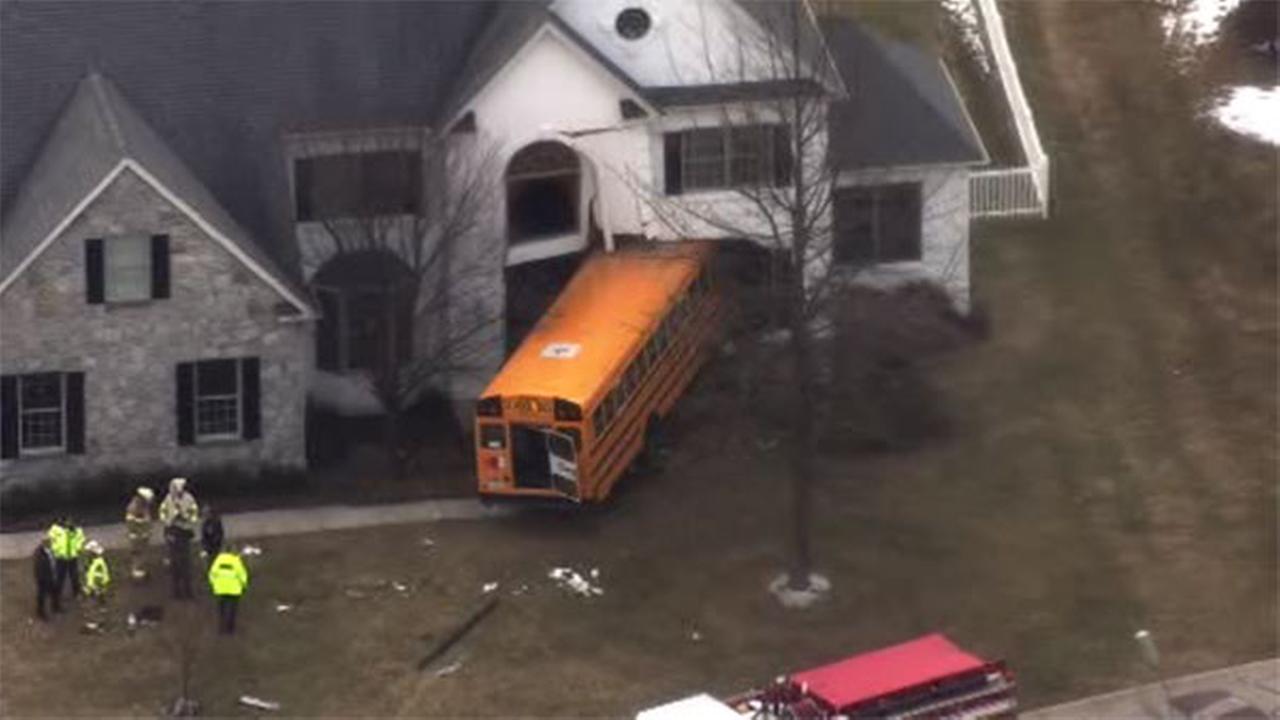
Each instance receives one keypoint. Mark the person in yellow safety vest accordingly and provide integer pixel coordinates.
(228, 579)
(138, 520)
(97, 576)
(66, 540)
(179, 513)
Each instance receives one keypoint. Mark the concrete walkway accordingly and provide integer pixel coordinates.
(266, 523)
(1243, 692)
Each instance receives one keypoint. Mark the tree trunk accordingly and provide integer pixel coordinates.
(800, 565)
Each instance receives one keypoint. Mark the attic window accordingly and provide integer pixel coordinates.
(633, 23)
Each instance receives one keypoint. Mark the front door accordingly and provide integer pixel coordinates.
(564, 463)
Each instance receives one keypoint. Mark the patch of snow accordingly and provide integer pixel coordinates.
(1196, 21)
(1252, 111)
(965, 16)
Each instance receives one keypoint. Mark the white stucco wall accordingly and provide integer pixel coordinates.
(944, 239)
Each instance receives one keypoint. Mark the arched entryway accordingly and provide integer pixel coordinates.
(549, 226)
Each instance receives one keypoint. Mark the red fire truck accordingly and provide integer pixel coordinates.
(928, 677)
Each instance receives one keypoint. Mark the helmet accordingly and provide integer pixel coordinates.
(145, 492)
(177, 484)
(93, 547)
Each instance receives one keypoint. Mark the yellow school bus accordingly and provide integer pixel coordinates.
(571, 409)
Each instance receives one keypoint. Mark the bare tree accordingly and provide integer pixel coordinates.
(185, 637)
(778, 81)
(403, 214)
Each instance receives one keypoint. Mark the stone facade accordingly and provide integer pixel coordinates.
(218, 308)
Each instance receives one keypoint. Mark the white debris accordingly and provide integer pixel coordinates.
(250, 550)
(283, 607)
(449, 669)
(427, 542)
(695, 636)
(569, 579)
(259, 703)
(1195, 20)
(520, 590)
(595, 573)
(1252, 111)
(399, 586)
(489, 587)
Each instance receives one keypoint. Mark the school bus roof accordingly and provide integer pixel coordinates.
(598, 319)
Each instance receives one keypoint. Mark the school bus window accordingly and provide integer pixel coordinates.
(493, 436)
(573, 434)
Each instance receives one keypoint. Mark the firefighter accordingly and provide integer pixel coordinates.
(139, 519)
(179, 513)
(45, 566)
(97, 580)
(66, 540)
(228, 579)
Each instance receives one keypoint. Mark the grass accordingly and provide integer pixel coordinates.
(1111, 467)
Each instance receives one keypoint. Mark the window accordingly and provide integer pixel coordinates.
(217, 393)
(543, 185)
(358, 185)
(877, 224)
(633, 23)
(713, 158)
(354, 290)
(128, 268)
(42, 412)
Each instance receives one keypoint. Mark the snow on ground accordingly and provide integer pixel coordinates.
(1252, 111)
(1195, 21)
(965, 16)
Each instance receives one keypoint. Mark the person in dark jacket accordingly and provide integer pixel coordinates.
(44, 565)
(211, 535)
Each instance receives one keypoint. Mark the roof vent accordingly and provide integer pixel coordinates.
(633, 23)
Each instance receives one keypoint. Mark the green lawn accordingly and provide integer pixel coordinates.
(1111, 467)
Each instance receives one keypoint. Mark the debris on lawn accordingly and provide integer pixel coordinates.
(184, 707)
(451, 638)
(449, 669)
(400, 587)
(569, 579)
(250, 550)
(489, 587)
(353, 593)
(695, 636)
(91, 628)
(259, 703)
(427, 542)
(520, 590)
(283, 607)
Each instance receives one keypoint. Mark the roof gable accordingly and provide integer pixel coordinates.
(902, 109)
(98, 136)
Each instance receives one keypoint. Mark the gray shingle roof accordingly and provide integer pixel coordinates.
(97, 130)
(902, 109)
(221, 81)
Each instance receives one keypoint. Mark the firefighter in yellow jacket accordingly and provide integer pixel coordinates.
(138, 520)
(228, 579)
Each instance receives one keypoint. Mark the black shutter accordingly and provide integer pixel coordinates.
(250, 399)
(302, 180)
(327, 330)
(74, 389)
(186, 403)
(782, 158)
(8, 416)
(94, 272)
(159, 267)
(671, 155)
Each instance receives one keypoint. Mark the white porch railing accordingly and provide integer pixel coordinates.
(1010, 191)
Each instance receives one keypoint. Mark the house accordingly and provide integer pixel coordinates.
(171, 291)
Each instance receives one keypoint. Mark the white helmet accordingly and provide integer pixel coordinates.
(145, 492)
(93, 547)
(177, 484)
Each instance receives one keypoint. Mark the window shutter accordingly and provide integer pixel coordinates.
(250, 399)
(94, 272)
(782, 158)
(74, 389)
(671, 155)
(8, 416)
(327, 357)
(159, 267)
(186, 403)
(302, 189)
